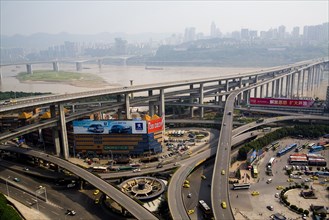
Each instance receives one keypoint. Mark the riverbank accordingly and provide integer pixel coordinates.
(62, 77)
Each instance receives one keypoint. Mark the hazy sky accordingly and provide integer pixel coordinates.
(92, 17)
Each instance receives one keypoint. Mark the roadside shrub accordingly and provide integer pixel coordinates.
(306, 187)
(300, 210)
(293, 207)
(306, 212)
(287, 203)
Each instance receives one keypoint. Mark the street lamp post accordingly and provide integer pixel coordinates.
(36, 200)
(7, 185)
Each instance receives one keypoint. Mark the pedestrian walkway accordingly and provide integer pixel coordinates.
(27, 212)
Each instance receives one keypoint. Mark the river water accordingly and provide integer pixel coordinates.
(115, 76)
(119, 76)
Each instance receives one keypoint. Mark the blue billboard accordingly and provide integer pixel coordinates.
(109, 127)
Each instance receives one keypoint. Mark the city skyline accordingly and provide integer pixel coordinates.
(132, 17)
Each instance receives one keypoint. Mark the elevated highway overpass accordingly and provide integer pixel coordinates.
(60, 100)
(175, 200)
(220, 194)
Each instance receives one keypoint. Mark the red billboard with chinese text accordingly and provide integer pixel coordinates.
(281, 102)
(154, 125)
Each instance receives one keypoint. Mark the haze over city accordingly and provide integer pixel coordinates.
(91, 17)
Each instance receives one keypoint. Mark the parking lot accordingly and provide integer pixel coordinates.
(246, 206)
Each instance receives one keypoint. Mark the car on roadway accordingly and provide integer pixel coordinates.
(159, 165)
(314, 178)
(223, 172)
(96, 192)
(70, 212)
(190, 211)
(224, 124)
(176, 164)
(189, 195)
(270, 207)
(290, 180)
(96, 128)
(279, 187)
(186, 185)
(255, 193)
(224, 205)
(96, 201)
(136, 170)
(203, 177)
(26, 169)
(268, 181)
(229, 113)
(186, 182)
(17, 179)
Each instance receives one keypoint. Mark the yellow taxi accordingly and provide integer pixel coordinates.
(224, 205)
(96, 192)
(186, 185)
(223, 172)
(279, 187)
(290, 180)
(190, 212)
(314, 178)
(96, 201)
(255, 193)
(186, 182)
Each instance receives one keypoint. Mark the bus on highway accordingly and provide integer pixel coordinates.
(204, 207)
(100, 169)
(270, 162)
(254, 172)
(238, 186)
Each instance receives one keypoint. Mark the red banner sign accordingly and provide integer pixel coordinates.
(281, 102)
(154, 125)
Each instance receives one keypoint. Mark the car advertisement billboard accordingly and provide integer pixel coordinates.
(109, 127)
(154, 125)
(281, 102)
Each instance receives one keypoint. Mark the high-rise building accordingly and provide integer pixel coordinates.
(189, 34)
(213, 30)
(295, 33)
(282, 32)
(245, 34)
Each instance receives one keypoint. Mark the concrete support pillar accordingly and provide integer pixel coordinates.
(56, 66)
(227, 86)
(120, 113)
(308, 79)
(65, 145)
(298, 83)
(261, 91)
(127, 105)
(191, 101)
(273, 88)
(162, 103)
(292, 89)
(78, 66)
(151, 104)
(267, 89)
(100, 62)
(73, 108)
(281, 87)
(287, 86)
(29, 69)
(131, 84)
(255, 92)
(303, 82)
(246, 96)
(277, 88)
(55, 133)
(312, 79)
(201, 100)
(256, 79)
